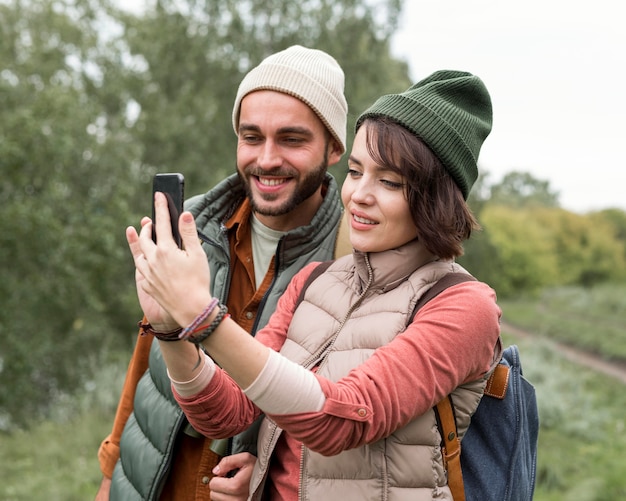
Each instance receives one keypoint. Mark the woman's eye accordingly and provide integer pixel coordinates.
(391, 184)
(353, 173)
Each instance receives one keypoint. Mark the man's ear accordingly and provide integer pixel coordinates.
(335, 151)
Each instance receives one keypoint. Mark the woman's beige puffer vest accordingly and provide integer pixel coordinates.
(347, 318)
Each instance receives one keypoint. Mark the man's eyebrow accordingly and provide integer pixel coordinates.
(249, 127)
(303, 131)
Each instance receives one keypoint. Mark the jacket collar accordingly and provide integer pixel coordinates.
(390, 268)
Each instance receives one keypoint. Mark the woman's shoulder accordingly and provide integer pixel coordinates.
(471, 299)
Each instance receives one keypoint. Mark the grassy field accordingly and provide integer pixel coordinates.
(581, 440)
(582, 421)
(592, 319)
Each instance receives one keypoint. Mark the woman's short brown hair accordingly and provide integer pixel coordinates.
(439, 211)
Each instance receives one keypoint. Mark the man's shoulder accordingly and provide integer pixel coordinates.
(219, 200)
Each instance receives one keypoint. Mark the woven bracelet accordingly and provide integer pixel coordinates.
(221, 315)
(161, 336)
(186, 332)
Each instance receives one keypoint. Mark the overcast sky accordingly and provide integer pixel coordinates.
(555, 70)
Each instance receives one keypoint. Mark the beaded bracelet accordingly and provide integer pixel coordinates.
(221, 315)
(199, 319)
(146, 328)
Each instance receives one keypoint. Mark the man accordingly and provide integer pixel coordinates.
(280, 211)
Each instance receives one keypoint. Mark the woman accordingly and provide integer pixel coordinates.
(346, 377)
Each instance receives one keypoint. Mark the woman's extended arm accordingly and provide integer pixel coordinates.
(400, 381)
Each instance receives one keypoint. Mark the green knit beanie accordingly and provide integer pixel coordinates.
(451, 112)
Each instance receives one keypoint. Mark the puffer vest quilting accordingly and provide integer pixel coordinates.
(148, 437)
(408, 464)
(147, 442)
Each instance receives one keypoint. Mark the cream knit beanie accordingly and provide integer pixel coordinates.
(310, 75)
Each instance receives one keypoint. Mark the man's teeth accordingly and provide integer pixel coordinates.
(359, 219)
(270, 181)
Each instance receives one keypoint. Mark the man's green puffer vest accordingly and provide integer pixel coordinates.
(148, 439)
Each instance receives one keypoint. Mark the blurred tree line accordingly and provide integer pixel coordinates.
(528, 242)
(94, 100)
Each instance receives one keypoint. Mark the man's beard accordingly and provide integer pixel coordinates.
(306, 187)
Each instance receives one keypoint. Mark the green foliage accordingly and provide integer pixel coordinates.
(56, 459)
(522, 250)
(520, 189)
(524, 254)
(95, 100)
(64, 196)
(191, 56)
(587, 249)
(615, 219)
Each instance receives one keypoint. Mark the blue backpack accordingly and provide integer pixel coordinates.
(498, 460)
(498, 457)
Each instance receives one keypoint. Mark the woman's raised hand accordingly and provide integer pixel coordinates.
(173, 285)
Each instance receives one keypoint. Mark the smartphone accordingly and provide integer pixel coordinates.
(173, 186)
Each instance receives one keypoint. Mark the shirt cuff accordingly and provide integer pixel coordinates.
(284, 387)
(194, 386)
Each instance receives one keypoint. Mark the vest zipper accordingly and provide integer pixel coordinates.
(224, 249)
(321, 355)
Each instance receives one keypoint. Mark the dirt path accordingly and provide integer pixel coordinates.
(613, 369)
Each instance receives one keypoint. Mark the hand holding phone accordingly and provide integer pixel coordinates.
(172, 185)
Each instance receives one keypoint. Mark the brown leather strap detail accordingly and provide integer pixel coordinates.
(498, 382)
(451, 449)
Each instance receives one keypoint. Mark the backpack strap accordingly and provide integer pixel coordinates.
(439, 286)
(451, 448)
(496, 387)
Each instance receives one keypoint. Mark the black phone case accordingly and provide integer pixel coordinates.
(173, 186)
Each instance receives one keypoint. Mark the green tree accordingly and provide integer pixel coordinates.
(189, 58)
(616, 219)
(64, 203)
(95, 100)
(588, 246)
(522, 189)
(523, 251)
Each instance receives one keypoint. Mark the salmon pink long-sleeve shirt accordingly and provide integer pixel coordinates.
(451, 341)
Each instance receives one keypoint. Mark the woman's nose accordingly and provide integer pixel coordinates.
(362, 192)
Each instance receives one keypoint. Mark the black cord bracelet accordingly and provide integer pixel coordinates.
(212, 326)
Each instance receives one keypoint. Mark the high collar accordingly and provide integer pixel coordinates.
(390, 268)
